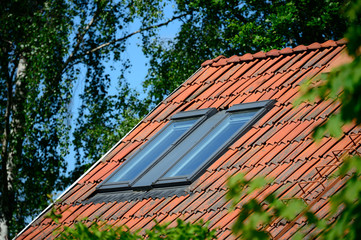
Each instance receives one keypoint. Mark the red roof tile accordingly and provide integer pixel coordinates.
(246, 57)
(233, 59)
(206, 63)
(108, 214)
(279, 145)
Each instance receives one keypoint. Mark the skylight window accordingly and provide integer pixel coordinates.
(185, 147)
(153, 150)
(210, 144)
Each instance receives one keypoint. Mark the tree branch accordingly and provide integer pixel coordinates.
(133, 33)
(80, 37)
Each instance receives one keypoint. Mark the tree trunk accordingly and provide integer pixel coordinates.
(11, 144)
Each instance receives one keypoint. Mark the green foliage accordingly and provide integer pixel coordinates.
(347, 201)
(342, 86)
(80, 231)
(256, 214)
(84, 230)
(183, 230)
(53, 214)
(100, 230)
(34, 134)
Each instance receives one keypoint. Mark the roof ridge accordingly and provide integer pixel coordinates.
(222, 60)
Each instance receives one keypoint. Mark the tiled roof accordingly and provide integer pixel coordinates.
(279, 145)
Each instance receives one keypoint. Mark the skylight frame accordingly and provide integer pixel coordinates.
(262, 106)
(201, 114)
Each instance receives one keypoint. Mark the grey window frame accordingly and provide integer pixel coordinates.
(202, 114)
(208, 119)
(262, 106)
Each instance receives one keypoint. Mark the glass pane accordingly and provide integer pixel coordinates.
(210, 144)
(152, 150)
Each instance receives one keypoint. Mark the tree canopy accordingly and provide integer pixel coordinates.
(49, 46)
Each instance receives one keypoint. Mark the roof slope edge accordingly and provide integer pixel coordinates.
(222, 60)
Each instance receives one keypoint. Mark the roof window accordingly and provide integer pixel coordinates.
(185, 147)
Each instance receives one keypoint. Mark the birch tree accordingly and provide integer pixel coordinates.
(46, 48)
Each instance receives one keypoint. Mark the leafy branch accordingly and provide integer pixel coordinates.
(133, 33)
(80, 37)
